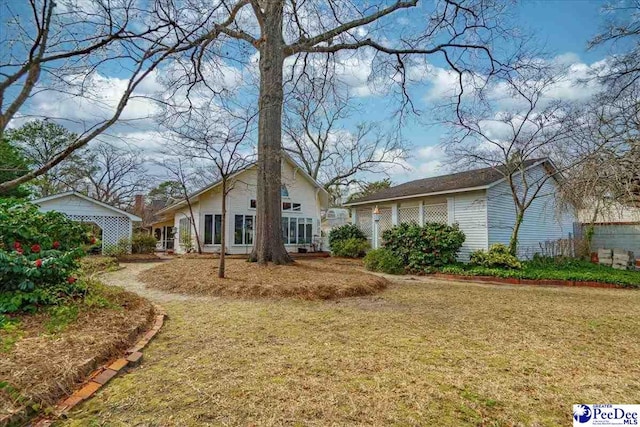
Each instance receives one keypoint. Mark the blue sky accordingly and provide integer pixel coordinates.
(563, 27)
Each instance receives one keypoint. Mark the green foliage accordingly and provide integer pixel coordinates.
(345, 232)
(39, 255)
(61, 316)
(143, 243)
(383, 260)
(40, 141)
(423, 247)
(567, 269)
(167, 191)
(350, 248)
(497, 256)
(12, 165)
(10, 333)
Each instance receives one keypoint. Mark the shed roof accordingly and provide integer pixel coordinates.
(132, 217)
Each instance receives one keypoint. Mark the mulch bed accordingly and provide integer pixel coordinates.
(138, 258)
(42, 367)
(305, 279)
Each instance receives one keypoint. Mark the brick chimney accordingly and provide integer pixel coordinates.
(138, 205)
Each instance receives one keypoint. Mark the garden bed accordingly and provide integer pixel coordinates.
(45, 356)
(570, 273)
(305, 279)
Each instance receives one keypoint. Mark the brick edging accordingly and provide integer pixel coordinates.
(536, 282)
(102, 375)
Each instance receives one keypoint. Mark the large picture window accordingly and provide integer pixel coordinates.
(297, 230)
(243, 229)
(212, 229)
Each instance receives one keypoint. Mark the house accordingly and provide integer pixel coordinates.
(479, 201)
(615, 225)
(115, 223)
(302, 201)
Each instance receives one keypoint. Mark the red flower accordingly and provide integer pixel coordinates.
(92, 240)
(16, 245)
(38, 263)
(35, 248)
(19, 250)
(71, 280)
(56, 245)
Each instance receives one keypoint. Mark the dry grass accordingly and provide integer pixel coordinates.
(97, 263)
(436, 353)
(44, 365)
(308, 279)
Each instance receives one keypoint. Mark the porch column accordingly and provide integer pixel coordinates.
(421, 212)
(451, 210)
(354, 216)
(394, 214)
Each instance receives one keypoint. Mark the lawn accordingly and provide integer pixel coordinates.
(419, 353)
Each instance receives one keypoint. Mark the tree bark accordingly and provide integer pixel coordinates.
(513, 242)
(269, 246)
(223, 226)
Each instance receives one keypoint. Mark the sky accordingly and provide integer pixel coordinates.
(563, 27)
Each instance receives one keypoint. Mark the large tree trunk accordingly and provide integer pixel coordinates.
(223, 226)
(269, 246)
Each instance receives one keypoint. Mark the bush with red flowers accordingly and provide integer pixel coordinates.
(39, 254)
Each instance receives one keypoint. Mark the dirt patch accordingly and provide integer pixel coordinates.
(305, 279)
(44, 365)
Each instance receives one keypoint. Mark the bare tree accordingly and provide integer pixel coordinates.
(111, 174)
(511, 138)
(56, 46)
(317, 138)
(220, 139)
(177, 170)
(460, 32)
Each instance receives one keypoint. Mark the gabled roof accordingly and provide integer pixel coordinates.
(213, 185)
(476, 179)
(89, 199)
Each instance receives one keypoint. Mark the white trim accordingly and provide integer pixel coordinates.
(88, 199)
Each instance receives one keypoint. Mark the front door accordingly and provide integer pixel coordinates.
(167, 238)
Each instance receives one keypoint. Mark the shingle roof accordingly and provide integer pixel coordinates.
(441, 184)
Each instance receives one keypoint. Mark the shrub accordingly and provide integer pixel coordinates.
(497, 257)
(345, 232)
(143, 243)
(350, 248)
(423, 247)
(383, 260)
(39, 254)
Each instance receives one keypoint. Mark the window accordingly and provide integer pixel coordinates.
(243, 229)
(288, 207)
(212, 229)
(297, 230)
(253, 203)
(184, 231)
(284, 191)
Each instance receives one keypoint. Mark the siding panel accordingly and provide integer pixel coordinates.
(543, 220)
(470, 213)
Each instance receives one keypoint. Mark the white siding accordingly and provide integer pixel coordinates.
(470, 213)
(543, 220)
(301, 190)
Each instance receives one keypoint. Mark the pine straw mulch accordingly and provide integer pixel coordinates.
(316, 279)
(43, 366)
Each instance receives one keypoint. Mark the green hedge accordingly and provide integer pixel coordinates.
(422, 248)
(383, 260)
